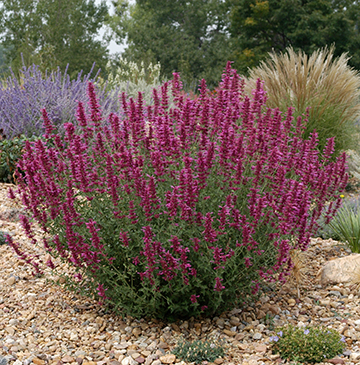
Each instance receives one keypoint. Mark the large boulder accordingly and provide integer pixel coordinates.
(341, 270)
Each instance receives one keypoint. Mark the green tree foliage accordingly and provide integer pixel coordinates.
(187, 36)
(53, 33)
(261, 26)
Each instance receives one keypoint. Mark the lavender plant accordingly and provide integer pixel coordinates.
(21, 100)
(176, 212)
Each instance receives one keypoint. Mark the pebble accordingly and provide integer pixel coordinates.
(11, 281)
(168, 359)
(257, 336)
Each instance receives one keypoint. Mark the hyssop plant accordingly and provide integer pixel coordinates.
(173, 212)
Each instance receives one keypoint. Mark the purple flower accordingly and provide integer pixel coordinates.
(274, 338)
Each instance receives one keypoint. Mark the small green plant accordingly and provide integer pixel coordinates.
(198, 351)
(346, 225)
(10, 153)
(307, 344)
(3, 238)
(269, 321)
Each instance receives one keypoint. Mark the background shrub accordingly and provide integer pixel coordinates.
(181, 211)
(21, 101)
(130, 78)
(329, 87)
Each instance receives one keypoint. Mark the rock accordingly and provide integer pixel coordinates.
(347, 353)
(137, 331)
(38, 361)
(149, 360)
(357, 322)
(168, 359)
(10, 330)
(13, 322)
(156, 362)
(123, 345)
(11, 281)
(340, 270)
(67, 358)
(336, 361)
(220, 323)
(234, 321)
(162, 345)
(134, 355)
(291, 302)
(230, 333)
(140, 360)
(260, 348)
(3, 360)
(128, 361)
(218, 361)
(80, 360)
(354, 356)
(239, 336)
(257, 336)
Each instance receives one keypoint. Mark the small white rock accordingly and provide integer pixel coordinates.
(129, 361)
(257, 336)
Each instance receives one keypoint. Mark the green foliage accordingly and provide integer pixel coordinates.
(10, 153)
(309, 344)
(346, 225)
(3, 238)
(198, 351)
(53, 33)
(328, 86)
(185, 36)
(261, 26)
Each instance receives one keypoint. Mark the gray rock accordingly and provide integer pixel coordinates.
(257, 336)
(335, 292)
(3, 360)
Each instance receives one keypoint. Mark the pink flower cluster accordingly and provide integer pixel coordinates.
(168, 164)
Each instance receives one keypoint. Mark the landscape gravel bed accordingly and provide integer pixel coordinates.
(42, 323)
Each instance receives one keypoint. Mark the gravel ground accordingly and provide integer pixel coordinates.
(41, 323)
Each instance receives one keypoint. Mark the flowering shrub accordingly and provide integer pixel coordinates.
(21, 102)
(181, 211)
(309, 344)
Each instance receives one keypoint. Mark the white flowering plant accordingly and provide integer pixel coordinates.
(307, 344)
